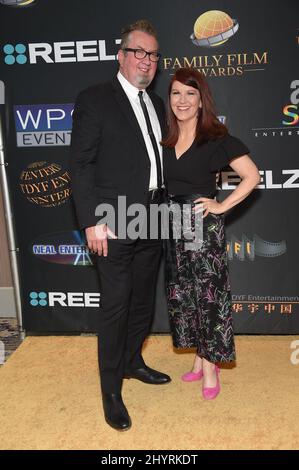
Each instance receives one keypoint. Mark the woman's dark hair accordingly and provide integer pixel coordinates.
(208, 126)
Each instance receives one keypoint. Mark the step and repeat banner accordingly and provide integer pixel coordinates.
(50, 50)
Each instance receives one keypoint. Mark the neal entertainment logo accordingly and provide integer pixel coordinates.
(43, 125)
(64, 299)
(58, 52)
(67, 248)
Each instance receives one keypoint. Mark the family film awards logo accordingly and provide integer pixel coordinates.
(213, 28)
(211, 32)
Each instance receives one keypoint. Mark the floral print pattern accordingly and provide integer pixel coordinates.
(198, 293)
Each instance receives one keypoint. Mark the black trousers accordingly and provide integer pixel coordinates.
(127, 283)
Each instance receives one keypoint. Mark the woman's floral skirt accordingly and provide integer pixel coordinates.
(198, 288)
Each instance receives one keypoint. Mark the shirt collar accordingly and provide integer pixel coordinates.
(130, 90)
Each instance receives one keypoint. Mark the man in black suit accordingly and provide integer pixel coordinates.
(115, 151)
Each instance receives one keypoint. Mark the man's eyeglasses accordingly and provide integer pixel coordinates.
(141, 54)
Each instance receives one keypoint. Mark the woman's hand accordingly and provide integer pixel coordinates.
(208, 206)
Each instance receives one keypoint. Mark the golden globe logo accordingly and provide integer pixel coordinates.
(45, 184)
(213, 28)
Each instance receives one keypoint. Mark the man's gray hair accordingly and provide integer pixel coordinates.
(140, 25)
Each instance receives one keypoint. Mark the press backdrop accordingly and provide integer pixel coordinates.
(50, 50)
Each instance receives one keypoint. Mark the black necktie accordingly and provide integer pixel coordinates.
(153, 139)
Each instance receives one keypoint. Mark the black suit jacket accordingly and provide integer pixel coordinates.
(108, 153)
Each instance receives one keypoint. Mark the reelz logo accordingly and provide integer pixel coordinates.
(230, 179)
(43, 125)
(61, 299)
(58, 52)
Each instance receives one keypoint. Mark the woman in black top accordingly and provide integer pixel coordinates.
(198, 292)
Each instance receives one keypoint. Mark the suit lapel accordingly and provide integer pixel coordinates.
(127, 111)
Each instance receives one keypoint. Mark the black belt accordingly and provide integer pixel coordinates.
(189, 198)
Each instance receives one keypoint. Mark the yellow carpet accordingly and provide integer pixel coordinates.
(50, 399)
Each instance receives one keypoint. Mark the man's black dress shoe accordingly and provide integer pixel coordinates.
(148, 376)
(116, 414)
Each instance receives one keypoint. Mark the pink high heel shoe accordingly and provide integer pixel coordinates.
(192, 376)
(209, 393)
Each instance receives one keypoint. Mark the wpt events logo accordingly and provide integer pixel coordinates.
(62, 299)
(58, 52)
(43, 125)
(63, 248)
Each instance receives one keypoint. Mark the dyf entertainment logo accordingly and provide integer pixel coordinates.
(58, 52)
(45, 184)
(62, 299)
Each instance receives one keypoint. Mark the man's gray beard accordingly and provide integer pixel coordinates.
(143, 81)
